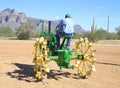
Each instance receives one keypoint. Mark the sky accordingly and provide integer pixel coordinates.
(82, 11)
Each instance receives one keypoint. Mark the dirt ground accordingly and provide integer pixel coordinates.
(16, 68)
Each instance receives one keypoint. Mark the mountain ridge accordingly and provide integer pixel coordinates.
(13, 19)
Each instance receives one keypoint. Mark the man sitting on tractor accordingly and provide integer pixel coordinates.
(66, 29)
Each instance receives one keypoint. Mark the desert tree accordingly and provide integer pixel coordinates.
(25, 30)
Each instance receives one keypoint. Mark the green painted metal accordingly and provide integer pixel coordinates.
(62, 56)
(42, 33)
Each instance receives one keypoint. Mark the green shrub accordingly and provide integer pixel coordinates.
(99, 34)
(6, 31)
(25, 31)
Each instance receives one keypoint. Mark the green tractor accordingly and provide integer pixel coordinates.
(45, 51)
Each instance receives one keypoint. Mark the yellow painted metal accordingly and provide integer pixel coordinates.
(86, 65)
(40, 59)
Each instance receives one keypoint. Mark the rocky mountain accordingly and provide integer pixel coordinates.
(13, 19)
(78, 29)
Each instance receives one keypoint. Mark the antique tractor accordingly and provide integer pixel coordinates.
(45, 51)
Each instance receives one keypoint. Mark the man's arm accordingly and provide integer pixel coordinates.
(63, 25)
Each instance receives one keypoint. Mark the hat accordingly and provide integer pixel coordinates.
(67, 15)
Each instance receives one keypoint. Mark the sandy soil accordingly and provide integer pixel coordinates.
(16, 68)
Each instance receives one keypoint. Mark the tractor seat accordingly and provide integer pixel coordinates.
(66, 35)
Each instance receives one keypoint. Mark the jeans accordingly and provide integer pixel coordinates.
(69, 40)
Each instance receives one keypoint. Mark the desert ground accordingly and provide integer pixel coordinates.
(16, 67)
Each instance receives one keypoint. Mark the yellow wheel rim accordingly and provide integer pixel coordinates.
(86, 65)
(40, 59)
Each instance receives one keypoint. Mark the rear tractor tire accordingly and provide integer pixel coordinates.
(40, 59)
(85, 65)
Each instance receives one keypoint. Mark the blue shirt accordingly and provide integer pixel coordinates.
(67, 25)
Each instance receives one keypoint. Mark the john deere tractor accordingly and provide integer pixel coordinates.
(45, 51)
